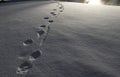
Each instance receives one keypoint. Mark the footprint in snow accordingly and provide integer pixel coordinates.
(43, 26)
(36, 54)
(54, 9)
(61, 7)
(53, 13)
(40, 32)
(24, 67)
(46, 17)
(61, 11)
(50, 21)
(27, 42)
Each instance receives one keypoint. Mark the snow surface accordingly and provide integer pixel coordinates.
(84, 40)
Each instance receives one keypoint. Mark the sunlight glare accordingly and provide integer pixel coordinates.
(94, 2)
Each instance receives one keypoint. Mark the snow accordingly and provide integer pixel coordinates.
(83, 41)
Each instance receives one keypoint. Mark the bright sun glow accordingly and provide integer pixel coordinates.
(95, 2)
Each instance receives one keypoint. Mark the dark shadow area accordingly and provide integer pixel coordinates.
(2, 2)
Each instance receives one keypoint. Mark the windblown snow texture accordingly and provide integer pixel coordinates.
(84, 41)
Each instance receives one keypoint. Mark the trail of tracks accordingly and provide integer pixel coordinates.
(42, 33)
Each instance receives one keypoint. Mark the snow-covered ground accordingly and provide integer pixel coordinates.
(83, 41)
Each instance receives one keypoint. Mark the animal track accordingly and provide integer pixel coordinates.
(24, 67)
(50, 21)
(61, 10)
(40, 33)
(35, 55)
(27, 42)
(43, 26)
(53, 13)
(54, 9)
(60, 7)
(46, 17)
